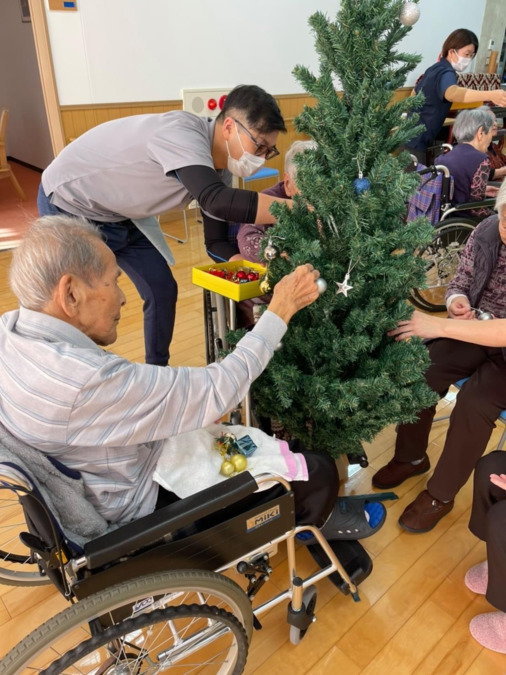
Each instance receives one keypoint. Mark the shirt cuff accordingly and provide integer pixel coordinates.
(271, 327)
(452, 297)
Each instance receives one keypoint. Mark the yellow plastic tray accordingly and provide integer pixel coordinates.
(229, 289)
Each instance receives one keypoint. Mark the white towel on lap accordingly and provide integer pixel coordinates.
(189, 463)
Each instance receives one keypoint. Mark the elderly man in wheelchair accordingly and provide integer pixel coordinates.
(83, 433)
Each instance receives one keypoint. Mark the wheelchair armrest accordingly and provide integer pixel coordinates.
(466, 206)
(145, 531)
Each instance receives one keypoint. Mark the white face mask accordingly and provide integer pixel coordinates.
(462, 62)
(246, 165)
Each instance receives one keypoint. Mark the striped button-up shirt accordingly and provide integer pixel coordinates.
(107, 417)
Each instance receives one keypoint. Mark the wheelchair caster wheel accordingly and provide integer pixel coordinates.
(305, 617)
(355, 596)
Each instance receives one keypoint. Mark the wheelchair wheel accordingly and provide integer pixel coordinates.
(148, 624)
(309, 604)
(17, 567)
(441, 258)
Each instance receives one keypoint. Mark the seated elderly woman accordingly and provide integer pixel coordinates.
(250, 235)
(468, 162)
(460, 347)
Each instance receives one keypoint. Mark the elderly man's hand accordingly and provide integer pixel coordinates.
(294, 291)
(420, 325)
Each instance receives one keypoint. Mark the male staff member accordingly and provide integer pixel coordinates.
(124, 173)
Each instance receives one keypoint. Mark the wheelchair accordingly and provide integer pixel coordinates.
(152, 594)
(453, 225)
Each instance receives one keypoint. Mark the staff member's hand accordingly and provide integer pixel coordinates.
(420, 325)
(295, 291)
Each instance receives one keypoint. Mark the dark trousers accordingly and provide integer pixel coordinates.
(150, 274)
(477, 407)
(314, 498)
(488, 522)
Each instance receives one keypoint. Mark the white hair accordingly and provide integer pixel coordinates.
(54, 246)
(294, 149)
(500, 200)
(469, 121)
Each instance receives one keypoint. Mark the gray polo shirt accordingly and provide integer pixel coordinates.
(117, 170)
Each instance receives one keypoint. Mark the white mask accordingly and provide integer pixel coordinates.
(462, 63)
(246, 165)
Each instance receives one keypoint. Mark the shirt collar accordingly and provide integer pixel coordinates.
(45, 327)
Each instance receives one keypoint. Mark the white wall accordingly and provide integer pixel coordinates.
(20, 89)
(136, 50)
(494, 25)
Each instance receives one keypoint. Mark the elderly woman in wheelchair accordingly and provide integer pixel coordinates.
(82, 434)
(455, 195)
(468, 162)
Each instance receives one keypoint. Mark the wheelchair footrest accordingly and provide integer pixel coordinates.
(353, 557)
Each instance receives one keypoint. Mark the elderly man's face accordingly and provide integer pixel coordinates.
(100, 310)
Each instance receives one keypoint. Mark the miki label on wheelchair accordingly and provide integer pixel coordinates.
(262, 518)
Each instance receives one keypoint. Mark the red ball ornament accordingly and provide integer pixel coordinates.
(241, 274)
(252, 276)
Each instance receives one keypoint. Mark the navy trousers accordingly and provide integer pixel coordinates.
(150, 274)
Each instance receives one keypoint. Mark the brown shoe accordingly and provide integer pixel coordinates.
(395, 473)
(424, 513)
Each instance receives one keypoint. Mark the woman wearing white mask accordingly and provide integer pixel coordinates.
(122, 174)
(440, 88)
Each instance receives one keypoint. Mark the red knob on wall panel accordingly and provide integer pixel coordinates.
(222, 101)
(211, 104)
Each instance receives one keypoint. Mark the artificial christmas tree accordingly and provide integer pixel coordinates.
(338, 379)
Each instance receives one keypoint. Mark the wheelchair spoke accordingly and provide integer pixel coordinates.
(151, 624)
(17, 567)
(441, 259)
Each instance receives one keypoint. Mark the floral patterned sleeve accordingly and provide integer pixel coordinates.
(249, 239)
(478, 187)
(461, 282)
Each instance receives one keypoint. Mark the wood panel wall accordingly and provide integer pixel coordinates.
(79, 118)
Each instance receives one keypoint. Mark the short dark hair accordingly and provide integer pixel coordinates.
(258, 107)
(458, 39)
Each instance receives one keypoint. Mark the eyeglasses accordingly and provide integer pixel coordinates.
(262, 149)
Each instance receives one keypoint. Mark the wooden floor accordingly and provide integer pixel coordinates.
(414, 611)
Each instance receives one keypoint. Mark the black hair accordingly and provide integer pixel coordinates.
(259, 108)
(458, 39)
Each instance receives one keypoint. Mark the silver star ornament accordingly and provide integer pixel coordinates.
(344, 286)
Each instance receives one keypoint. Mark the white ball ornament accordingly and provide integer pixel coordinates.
(410, 13)
(322, 285)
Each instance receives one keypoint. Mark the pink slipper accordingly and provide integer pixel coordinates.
(490, 631)
(476, 578)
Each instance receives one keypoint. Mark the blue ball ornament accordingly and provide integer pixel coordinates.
(361, 185)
